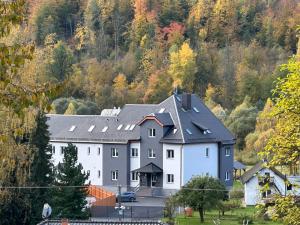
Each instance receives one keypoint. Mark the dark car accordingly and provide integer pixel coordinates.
(127, 197)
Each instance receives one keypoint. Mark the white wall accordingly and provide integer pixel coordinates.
(135, 162)
(92, 162)
(172, 166)
(196, 163)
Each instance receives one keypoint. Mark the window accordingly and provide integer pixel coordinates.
(289, 187)
(207, 152)
(61, 150)
(134, 176)
(72, 128)
(99, 173)
(120, 127)
(151, 153)
(161, 110)
(227, 151)
(114, 152)
(89, 151)
(170, 178)
(127, 127)
(88, 172)
(174, 131)
(91, 128)
(132, 127)
(104, 129)
(134, 152)
(53, 150)
(188, 131)
(196, 110)
(151, 132)
(227, 175)
(114, 175)
(99, 151)
(170, 154)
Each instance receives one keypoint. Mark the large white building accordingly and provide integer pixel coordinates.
(159, 145)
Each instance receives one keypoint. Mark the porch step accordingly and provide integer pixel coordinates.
(144, 192)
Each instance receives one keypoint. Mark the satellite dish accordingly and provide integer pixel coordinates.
(47, 210)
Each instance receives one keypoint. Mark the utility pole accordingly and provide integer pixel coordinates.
(120, 208)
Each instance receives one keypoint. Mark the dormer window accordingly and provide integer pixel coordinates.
(132, 127)
(196, 110)
(91, 128)
(188, 131)
(161, 110)
(104, 129)
(72, 128)
(151, 132)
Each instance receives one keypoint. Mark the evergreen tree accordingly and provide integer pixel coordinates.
(41, 173)
(70, 199)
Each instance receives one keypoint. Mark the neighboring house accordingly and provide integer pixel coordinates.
(257, 177)
(154, 145)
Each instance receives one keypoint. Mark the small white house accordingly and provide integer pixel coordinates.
(255, 180)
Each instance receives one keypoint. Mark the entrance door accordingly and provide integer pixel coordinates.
(149, 179)
(153, 180)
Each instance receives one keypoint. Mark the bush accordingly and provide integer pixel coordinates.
(236, 194)
(243, 218)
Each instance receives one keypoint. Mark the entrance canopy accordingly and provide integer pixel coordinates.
(149, 168)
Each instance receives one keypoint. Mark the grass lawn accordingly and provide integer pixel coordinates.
(230, 218)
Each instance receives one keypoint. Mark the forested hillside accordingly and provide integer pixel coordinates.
(110, 52)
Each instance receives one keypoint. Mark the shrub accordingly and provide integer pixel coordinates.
(236, 194)
(243, 218)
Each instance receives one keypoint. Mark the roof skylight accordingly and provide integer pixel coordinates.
(132, 127)
(196, 110)
(188, 131)
(127, 127)
(161, 110)
(105, 129)
(174, 131)
(72, 128)
(91, 128)
(120, 127)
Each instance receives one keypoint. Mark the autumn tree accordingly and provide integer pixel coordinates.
(241, 121)
(183, 67)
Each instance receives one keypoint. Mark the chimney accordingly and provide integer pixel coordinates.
(186, 101)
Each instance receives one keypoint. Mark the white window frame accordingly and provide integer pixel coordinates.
(170, 156)
(134, 152)
(151, 153)
(89, 150)
(227, 151)
(207, 152)
(134, 176)
(170, 178)
(114, 175)
(114, 153)
(151, 132)
(227, 175)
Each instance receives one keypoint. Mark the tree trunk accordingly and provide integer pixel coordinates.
(201, 214)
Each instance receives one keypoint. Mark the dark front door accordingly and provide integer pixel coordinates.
(148, 179)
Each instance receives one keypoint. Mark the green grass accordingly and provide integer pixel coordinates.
(230, 218)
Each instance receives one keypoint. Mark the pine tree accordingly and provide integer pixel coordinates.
(70, 199)
(41, 169)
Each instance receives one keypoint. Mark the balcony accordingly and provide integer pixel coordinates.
(263, 180)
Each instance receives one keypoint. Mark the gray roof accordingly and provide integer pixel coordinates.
(255, 169)
(186, 124)
(238, 165)
(149, 168)
(110, 221)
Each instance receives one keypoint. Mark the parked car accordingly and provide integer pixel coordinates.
(127, 197)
